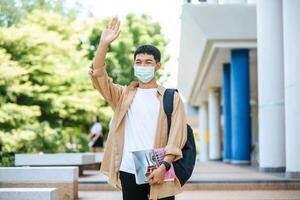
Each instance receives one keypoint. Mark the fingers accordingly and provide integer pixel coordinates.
(117, 34)
(151, 182)
(151, 176)
(154, 181)
(117, 25)
(111, 23)
(114, 24)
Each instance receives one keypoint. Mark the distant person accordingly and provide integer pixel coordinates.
(95, 136)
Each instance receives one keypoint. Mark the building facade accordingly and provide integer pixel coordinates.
(238, 64)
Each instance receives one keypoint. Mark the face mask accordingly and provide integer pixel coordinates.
(144, 74)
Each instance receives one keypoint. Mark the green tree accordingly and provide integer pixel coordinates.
(46, 97)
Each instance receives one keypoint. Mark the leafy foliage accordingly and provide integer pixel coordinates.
(46, 96)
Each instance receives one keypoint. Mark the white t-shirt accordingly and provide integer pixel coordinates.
(96, 128)
(140, 126)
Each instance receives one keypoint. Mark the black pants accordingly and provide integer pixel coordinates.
(132, 191)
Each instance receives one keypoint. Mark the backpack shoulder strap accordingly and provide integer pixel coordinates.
(168, 101)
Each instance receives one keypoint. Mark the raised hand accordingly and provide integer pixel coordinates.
(111, 32)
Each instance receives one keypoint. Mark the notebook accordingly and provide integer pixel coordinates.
(146, 161)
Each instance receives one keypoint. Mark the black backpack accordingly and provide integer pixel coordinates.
(184, 166)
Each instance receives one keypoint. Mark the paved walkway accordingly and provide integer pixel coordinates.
(210, 172)
(220, 171)
(210, 179)
(207, 195)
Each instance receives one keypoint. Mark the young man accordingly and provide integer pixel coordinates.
(139, 122)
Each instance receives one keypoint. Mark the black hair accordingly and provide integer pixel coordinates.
(97, 118)
(148, 49)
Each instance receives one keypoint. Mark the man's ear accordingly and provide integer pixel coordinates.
(157, 67)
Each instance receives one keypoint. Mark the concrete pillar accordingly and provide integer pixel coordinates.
(254, 133)
(214, 124)
(240, 106)
(227, 112)
(270, 85)
(203, 132)
(291, 32)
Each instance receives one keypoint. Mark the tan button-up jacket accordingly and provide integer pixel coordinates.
(119, 98)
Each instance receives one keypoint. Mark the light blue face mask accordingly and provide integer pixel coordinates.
(144, 74)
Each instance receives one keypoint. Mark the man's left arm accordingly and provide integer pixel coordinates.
(178, 131)
(176, 140)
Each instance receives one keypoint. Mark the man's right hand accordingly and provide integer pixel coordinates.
(111, 32)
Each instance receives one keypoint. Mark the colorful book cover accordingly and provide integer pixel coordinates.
(146, 161)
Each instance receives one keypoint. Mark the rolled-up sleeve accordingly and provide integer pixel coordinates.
(110, 91)
(178, 131)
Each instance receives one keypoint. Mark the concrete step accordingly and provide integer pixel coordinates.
(28, 193)
(64, 179)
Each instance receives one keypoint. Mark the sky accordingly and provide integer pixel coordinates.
(166, 12)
